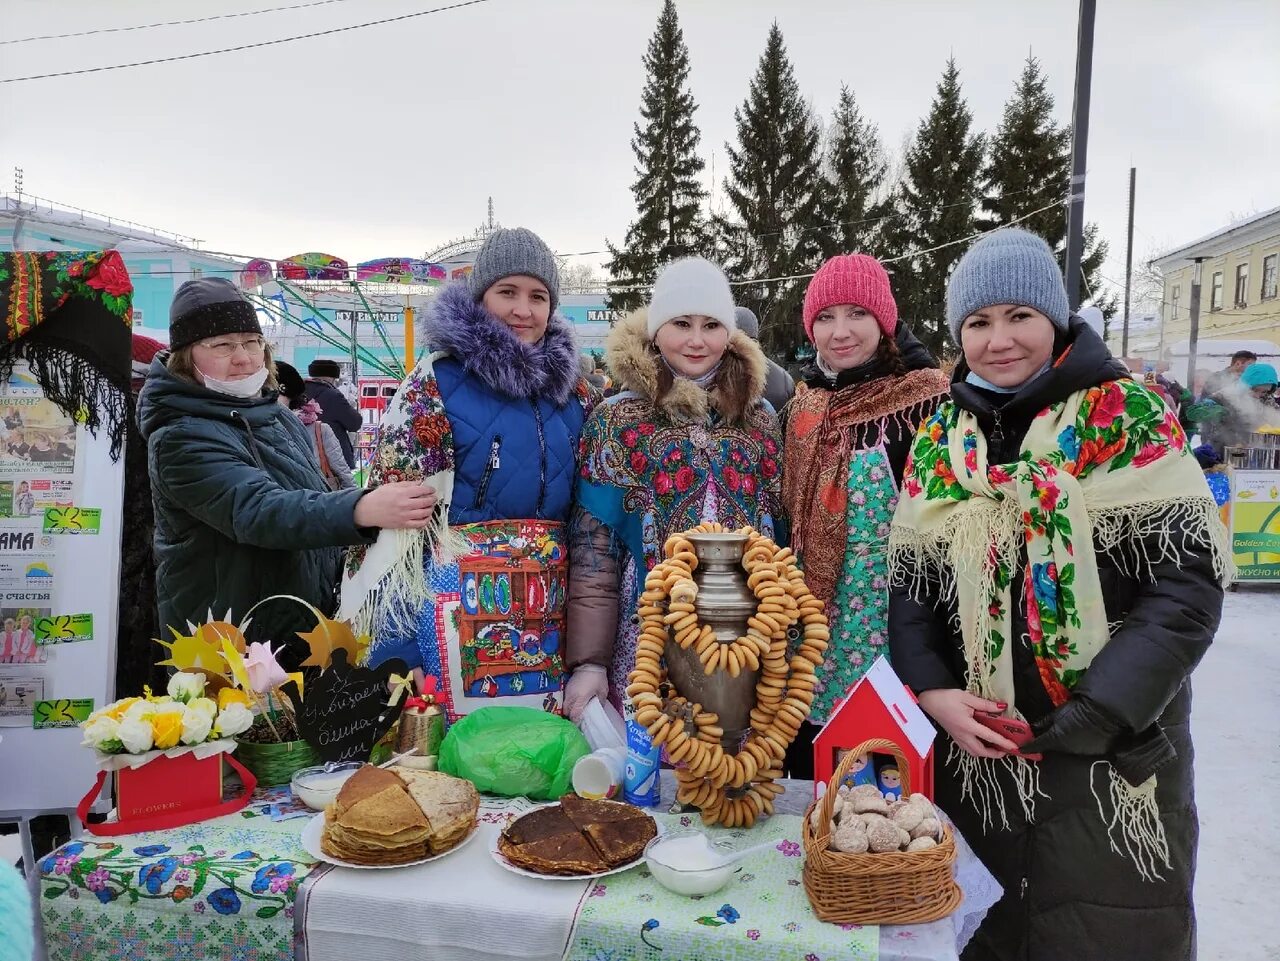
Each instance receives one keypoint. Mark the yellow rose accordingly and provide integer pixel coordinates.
(166, 729)
(231, 695)
(116, 710)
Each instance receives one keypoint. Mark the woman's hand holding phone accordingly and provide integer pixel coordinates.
(958, 712)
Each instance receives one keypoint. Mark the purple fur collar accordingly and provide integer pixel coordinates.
(486, 348)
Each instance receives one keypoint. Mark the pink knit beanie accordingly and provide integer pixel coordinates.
(851, 279)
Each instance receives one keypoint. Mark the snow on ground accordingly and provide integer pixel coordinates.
(1236, 725)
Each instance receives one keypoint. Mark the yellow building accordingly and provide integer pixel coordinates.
(1239, 292)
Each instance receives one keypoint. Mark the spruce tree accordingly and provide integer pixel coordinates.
(775, 190)
(669, 194)
(937, 205)
(855, 173)
(1029, 168)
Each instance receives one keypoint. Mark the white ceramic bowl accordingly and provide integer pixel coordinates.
(682, 880)
(318, 786)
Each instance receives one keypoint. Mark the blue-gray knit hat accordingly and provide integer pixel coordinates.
(512, 251)
(1008, 266)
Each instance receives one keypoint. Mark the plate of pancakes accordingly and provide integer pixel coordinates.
(391, 818)
(575, 839)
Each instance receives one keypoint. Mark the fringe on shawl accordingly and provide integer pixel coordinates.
(1138, 537)
(1136, 816)
(980, 784)
(393, 605)
(79, 388)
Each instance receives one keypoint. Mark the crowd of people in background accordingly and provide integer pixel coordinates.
(1026, 537)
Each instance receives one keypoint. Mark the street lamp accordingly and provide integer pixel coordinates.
(1195, 320)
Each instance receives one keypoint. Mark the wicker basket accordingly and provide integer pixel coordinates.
(897, 887)
(273, 763)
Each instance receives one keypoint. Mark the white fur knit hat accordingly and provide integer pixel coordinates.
(692, 286)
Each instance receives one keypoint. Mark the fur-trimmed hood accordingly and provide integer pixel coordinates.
(635, 362)
(487, 348)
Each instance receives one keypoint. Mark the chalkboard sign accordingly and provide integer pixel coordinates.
(345, 712)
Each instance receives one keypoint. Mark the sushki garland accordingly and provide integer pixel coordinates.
(183, 716)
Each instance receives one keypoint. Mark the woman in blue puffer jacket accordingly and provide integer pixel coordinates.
(490, 421)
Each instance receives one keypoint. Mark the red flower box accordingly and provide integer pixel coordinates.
(168, 792)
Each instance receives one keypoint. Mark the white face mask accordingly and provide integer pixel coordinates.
(245, 387)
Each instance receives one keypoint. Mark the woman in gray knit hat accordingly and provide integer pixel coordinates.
(489, 420)
(1056, 564)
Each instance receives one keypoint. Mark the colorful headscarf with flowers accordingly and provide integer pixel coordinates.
(1107, 469)
(69, 314)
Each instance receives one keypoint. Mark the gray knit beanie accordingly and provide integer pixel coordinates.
(1008, 266)
(512, 251)
(747, 322)
(209, 307)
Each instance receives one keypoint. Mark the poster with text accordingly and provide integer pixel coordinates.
(26, 498)
(1255, 525)
(18, 696)
(35, 436)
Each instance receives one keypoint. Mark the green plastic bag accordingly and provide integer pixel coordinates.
(514, 751)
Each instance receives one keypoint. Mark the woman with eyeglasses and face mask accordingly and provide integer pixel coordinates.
(241, 511)
(848, 430)
(689, 439)
(1056, 561)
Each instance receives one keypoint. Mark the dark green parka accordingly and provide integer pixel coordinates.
(241, 511)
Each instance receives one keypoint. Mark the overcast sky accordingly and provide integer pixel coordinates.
(386, 141)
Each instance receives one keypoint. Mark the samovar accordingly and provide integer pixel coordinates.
(724, 603)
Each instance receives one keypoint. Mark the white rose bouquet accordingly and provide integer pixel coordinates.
(184, 716)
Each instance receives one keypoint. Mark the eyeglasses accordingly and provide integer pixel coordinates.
(227, 348)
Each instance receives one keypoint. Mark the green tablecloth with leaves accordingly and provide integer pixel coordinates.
(761, 915)
(221, 889)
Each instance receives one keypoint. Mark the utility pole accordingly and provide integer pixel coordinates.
(355, 342)
(1079, 151)
(1128, 266)
(1195, 321)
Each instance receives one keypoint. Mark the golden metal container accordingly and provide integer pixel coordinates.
(724, 602)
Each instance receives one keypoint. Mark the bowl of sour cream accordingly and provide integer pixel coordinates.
(318, 786)
(688, 862)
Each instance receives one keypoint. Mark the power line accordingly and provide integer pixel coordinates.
(246, 46)
(891, 260)
(170, 23)
(835, 223)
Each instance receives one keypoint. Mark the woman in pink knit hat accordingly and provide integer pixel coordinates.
(848, 432)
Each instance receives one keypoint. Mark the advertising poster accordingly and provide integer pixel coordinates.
(18, 696)
(35, 437)
(1255, 525)
(27, 498)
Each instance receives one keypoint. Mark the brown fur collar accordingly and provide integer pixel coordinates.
(635, 363)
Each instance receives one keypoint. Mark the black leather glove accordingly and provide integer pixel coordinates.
(1137, 757)
(1078, 727)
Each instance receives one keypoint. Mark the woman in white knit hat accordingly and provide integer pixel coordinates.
(689, 439)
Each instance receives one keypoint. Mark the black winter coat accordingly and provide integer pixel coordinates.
(1068, 895)
(337, 413)
(241, 511)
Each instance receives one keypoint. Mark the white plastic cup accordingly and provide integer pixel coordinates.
(599, 774)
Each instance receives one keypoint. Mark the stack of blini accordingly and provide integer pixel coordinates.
(378, 819)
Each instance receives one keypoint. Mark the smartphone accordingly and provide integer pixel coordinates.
(1019, 732)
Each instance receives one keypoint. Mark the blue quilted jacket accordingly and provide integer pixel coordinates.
(514, 457)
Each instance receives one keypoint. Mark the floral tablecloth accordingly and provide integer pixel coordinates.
(221, 889)
(761, 915)
(226, 890)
